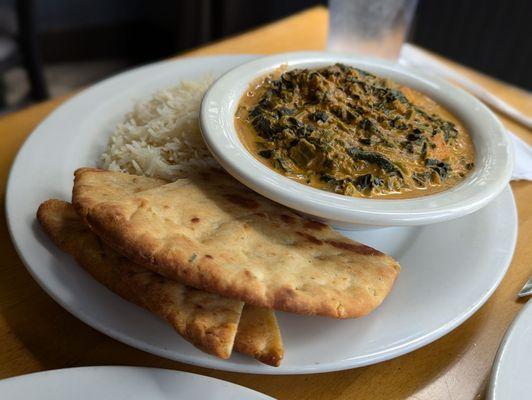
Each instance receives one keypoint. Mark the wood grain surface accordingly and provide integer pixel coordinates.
(37, 334)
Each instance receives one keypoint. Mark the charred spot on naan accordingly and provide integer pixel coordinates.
(242, 201)
(314, 225)
(310, 238)
(288, 219)
(357, 248)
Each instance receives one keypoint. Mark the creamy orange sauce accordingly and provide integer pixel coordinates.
(355, 170)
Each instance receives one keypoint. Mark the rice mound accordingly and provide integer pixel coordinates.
(161, 137)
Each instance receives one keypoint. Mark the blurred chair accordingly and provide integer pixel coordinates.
(19, 47)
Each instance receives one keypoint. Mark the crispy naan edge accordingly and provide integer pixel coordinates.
(206, 320)
(258, 335)
(93, 186)
(211, 232)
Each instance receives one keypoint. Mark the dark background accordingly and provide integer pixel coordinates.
(492, 36)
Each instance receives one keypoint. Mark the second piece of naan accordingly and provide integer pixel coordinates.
(206, 320)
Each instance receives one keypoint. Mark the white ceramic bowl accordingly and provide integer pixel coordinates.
(494, 152)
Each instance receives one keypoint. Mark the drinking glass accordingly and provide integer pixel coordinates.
(375, 28)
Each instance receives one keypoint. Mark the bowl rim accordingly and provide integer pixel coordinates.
(483, 184)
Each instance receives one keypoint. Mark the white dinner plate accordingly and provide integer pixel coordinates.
(511, 377)
(448, 270)
(121, 383)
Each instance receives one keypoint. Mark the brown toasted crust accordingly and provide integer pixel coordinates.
(245, 247)
(259, 336)
(206, 320)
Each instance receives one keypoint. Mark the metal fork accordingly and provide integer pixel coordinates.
(527, 289)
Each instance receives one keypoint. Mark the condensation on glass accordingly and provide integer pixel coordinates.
(374, 28)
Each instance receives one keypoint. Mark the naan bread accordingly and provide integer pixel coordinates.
(207, 320)
(259, 336)
(210, 232)
(93, 186)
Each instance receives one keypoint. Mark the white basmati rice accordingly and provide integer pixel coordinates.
(161, 137)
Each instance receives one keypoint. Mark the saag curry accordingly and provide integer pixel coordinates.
(345, 130)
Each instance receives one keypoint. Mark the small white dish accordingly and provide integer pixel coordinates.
(451, 267)
(512, 369)
(494, 156)
(121, 383)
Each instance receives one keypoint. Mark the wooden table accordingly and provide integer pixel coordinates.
(37, 334)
